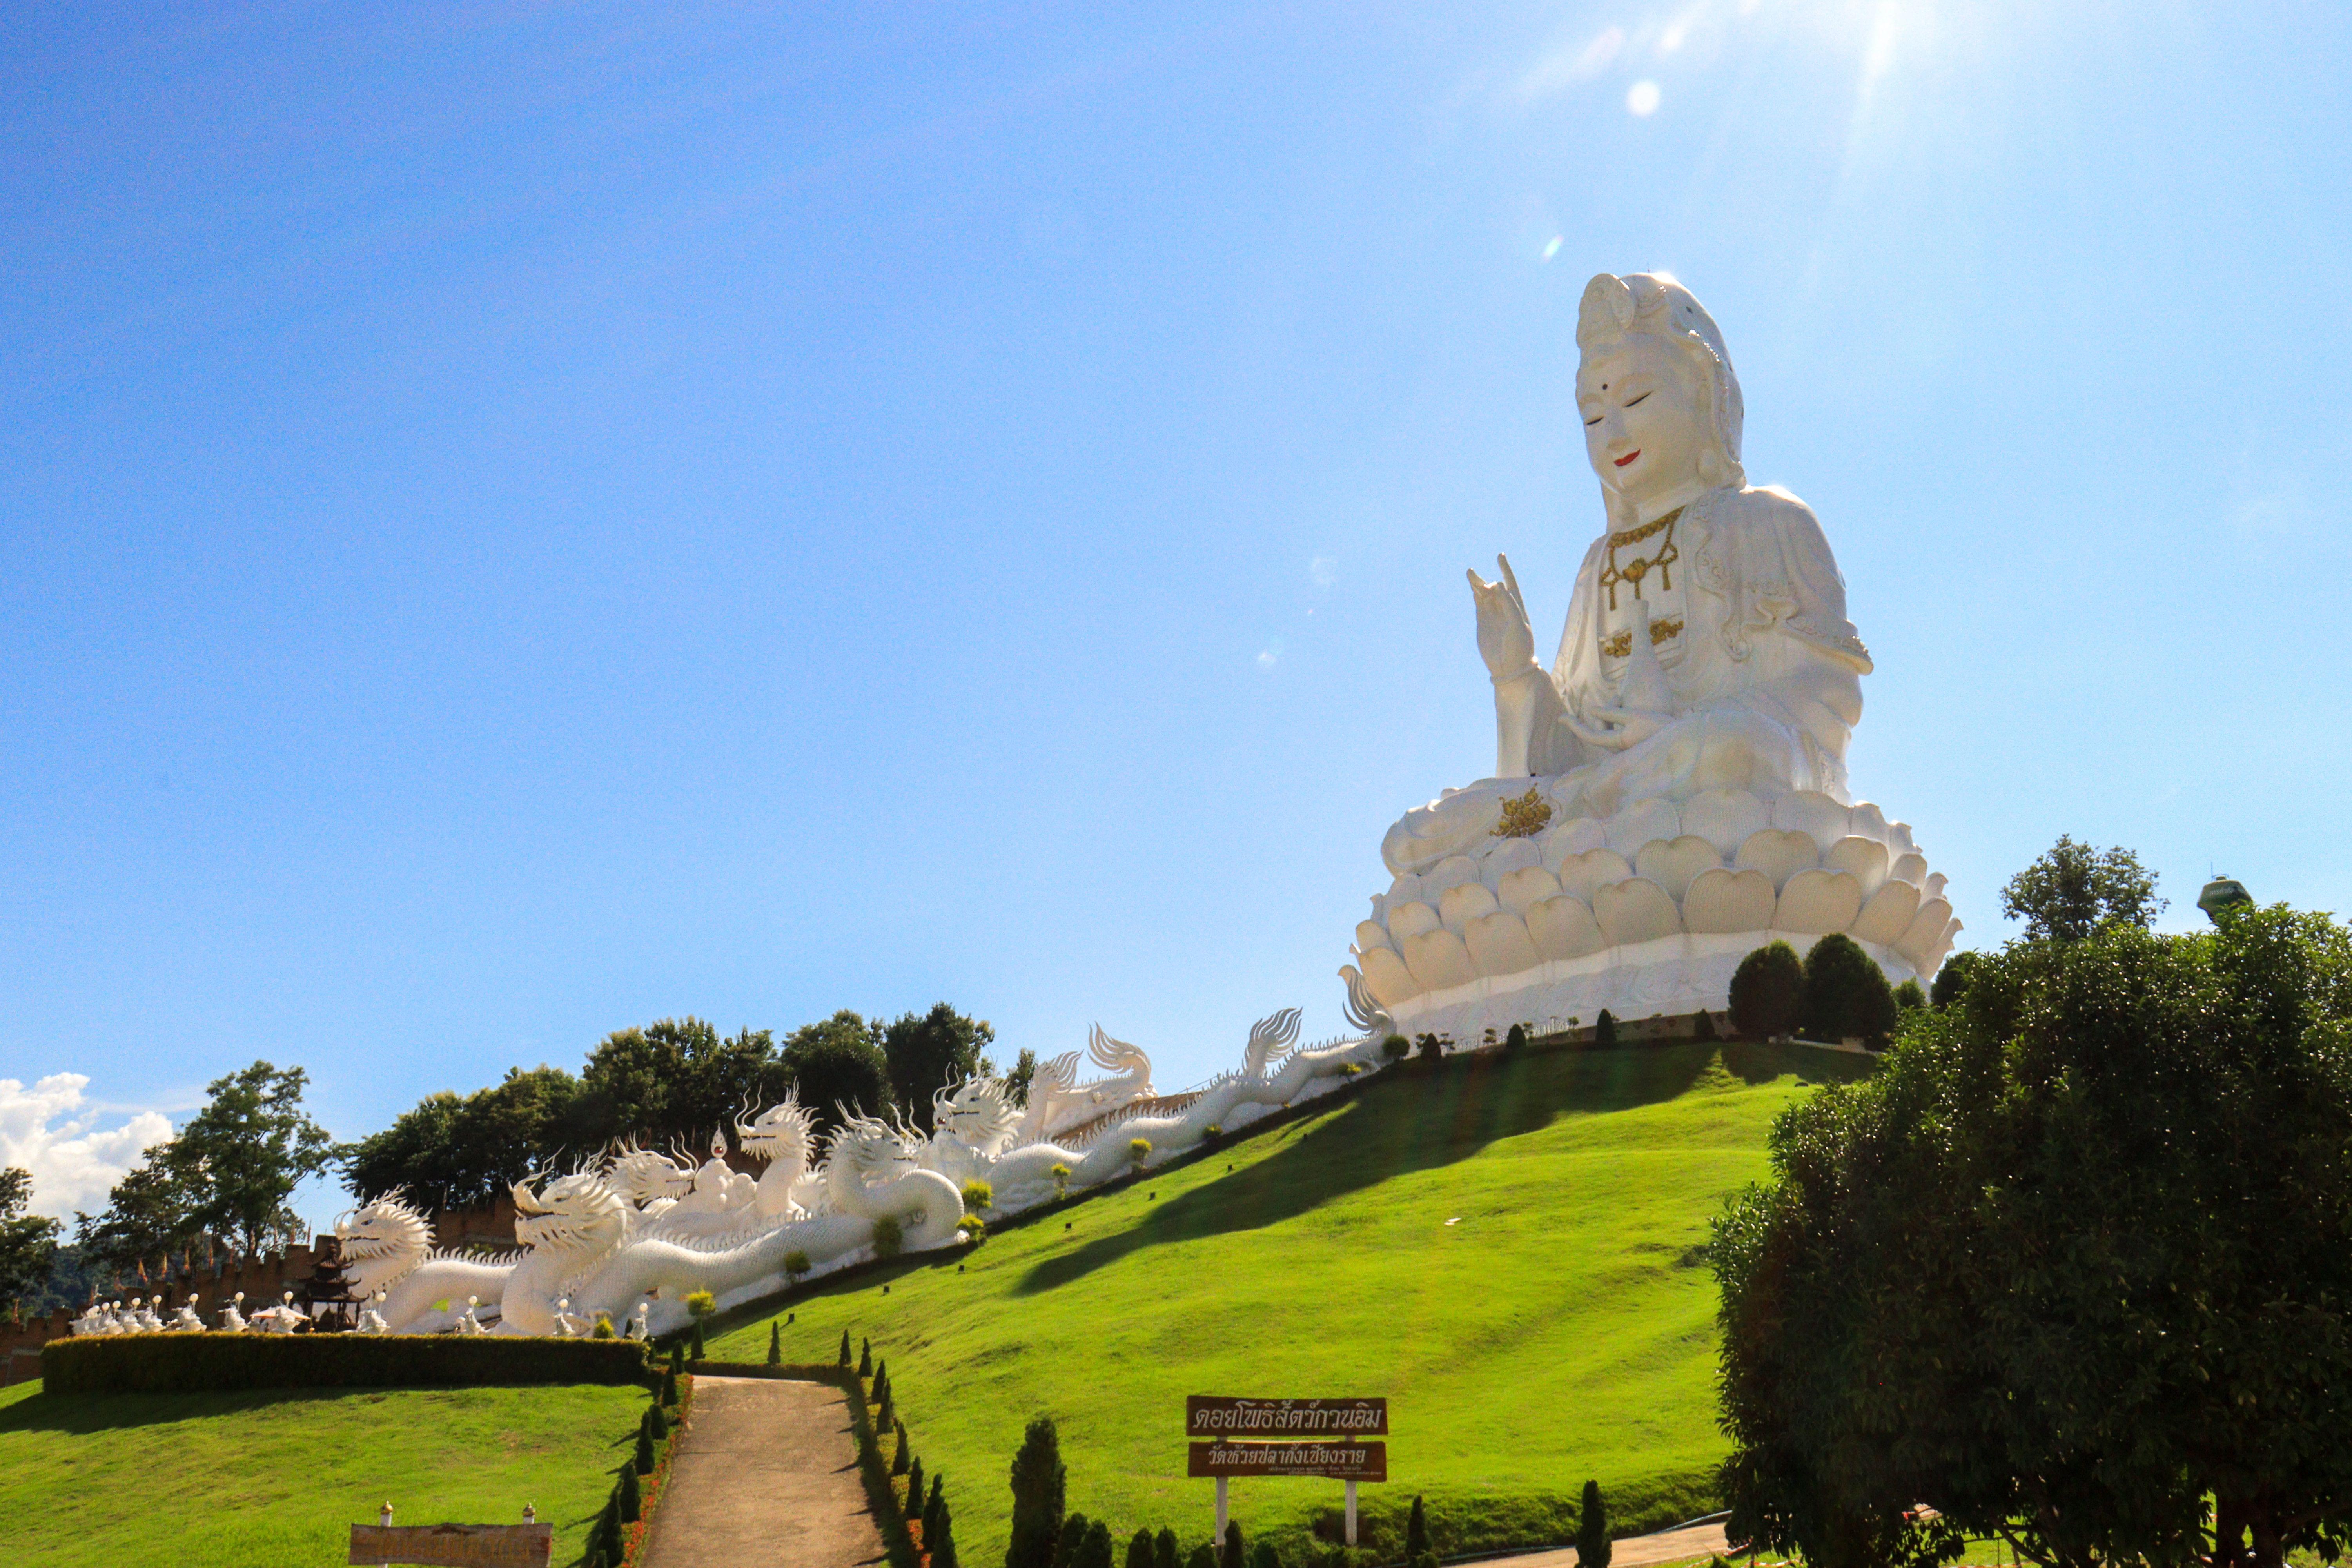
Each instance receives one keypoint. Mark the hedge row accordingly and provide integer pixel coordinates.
(187, 1363)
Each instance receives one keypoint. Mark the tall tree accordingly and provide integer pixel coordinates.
(28, 1242)
(448, 1152)
(150, 1216)
(1040, 1488)
(241, 1157)
(2072, 891)
(2072, 1263)
(837, 1062)
(675, 1080)
(926, 1053)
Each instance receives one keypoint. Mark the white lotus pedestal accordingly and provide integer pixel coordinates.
(1647, 914)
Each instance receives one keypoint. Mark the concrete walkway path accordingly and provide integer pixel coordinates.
(1632, 1551)
(766, 1477)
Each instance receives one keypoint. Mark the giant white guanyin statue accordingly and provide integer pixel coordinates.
(1671, 793)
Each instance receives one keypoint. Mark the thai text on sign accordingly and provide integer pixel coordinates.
(1339, 1461)
(454, 1545)
(1208, 1416)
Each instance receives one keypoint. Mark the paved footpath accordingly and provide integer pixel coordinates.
(766, 1477)
(1632, 1551)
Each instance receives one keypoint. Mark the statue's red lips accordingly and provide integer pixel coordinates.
(1629, 457)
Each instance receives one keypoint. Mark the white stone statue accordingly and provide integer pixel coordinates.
(232, 1317)
(1678, 775)
(468, 1323)
(637, 1321)
(186, 1320)
(371, 1319)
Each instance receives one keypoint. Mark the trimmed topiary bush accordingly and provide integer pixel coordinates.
(1071, 1542)
(1909, 998)
(938, 1540)
(1846, 994)
(1515, 1040)
(189, 1363)
(630, 1495)
(1416, 1531)
(864, 1357)
(1702, 1025)
(1768, 992)
(915, 1489)
(902, 1457)
(1139, 1550)
(1230, 1554)
(1203, 1556)
(656, 1421)
(1138, 1150)
(1604, 1029)
(1264, 1555)
(1396, 1047)
(934, 1505)
(889, 1237)
(669, 1387)
(1164, 1552)
(775, 1344)
(1593, 1529)
(796, 1265)
(645, 1454)
(977, 1195)
(1039, 1485)
(844, 1347)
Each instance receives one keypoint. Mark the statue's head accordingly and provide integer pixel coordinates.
(1654, 388)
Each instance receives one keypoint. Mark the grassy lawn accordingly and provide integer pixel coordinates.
(1506, 1251)
(276, 1478)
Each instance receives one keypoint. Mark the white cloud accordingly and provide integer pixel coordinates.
(53, 1131)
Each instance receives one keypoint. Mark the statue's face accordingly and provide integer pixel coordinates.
(1642, 426)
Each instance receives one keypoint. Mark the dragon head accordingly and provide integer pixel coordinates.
(979, 1114)
(643, 1176)
(382, 1238)
(784, 1132)
(867, 1150)
(578, 1213)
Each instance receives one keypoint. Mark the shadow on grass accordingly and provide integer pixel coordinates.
(1417, 1120)
(85, 1413)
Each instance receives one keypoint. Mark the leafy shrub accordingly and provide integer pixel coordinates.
(187, 1363)
(1232, 1555)
(1138, 1150)
(632, 1497)
(1516, 1040)
(1264, 1555)
(1396, 1047)
(1846, 994)
(889, 1237)
(977, 1195)
(1768, 992)
(1061, 1174)
(1593, 1529)
(1416, 1531)
(1163, 1549)
(1139, 1550)
(796, 1265)
(972, 1228)
(701, 1304)
(1202, 1556)
(1909, 998)
(1604, 1029)
(604, 1329)
(1952, 980)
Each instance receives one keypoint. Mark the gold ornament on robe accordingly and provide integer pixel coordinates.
(1524, 816)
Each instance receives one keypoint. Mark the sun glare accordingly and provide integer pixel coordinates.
(1642, 99)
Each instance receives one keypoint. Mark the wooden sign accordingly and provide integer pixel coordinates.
(454, 1545)
(1337, 1461)
(1208, 1416)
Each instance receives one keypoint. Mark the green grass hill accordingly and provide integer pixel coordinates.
(1508, 1249)
(276, 1477)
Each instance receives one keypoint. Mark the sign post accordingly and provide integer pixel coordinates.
(1287, 1438)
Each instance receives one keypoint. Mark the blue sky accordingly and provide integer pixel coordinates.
(523, 520)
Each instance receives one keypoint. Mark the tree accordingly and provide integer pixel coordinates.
(937, 1503)
(645, 1454)
(938, 1538)
(1139, 1550)
(2071, 1262)
(150, 1215)
(2072, 891)
(1072, 1543)
(928, 1053)
(844, 1347)
(1024, 1074)
(1416, 1531)
(631, 1494)
(1846, 994)
(838, 1062)
(1515, 1039)
(915, 1489)
(1952, 979)
(1164, 1552)
(450, 1153)
(1909, 997)
(1768, 992)
(677, 1080)
(1040, 1487)
(1604, 1029)
(1593, 1529)
(28, 1243)
(240, 1158)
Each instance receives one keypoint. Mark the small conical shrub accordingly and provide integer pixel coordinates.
(936, 1506)
(645, 1461)
(844, 1347)
(669, 1388)
(608, 1529)
(678, 1358)
(1139, 1550)
(881, 1380)
(1203, 1556)
(1265, 1556)
(632, 1500)
(656, 1421)
(941, 1541)
(1516, 1039)
(1604, 1029)
(866, 1358)
(1703, 1025)
(1098, 1551)
(697, 1343)
(915, 1489)
(1040, 1485)
(1231, 1555)
(900, 1460)
(1163, 1549)
(775, 1344)
(1071, 1542)
(1593, 1529)
(1416, 1531)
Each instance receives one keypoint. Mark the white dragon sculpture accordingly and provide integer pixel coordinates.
(628, 1237)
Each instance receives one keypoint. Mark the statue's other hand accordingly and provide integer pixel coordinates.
(1629, 726)
(1506, 641)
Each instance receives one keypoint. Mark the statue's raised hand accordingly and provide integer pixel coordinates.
(1506, 641)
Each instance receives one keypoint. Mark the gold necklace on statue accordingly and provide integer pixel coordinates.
(1640, 565)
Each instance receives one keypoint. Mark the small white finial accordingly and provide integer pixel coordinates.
(529, 1515)
(384, 1518)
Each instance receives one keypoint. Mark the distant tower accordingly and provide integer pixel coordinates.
(2223, 893)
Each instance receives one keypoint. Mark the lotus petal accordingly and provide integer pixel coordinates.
(1869, 822)
(1672, 863)
(1527, 887)
(1935, 954)
(1510, 855)
(1448, 874)
(1725, 817)
(1464, 904)
(1410, 920)
(1927, 928)
(1571, 838)
(1813, 813)
(1934, 887)
(1886, 915)
(1635, 910)
(1585, 875)
(1898, 839)
(1500, 944)
(1564, 928)
(1656, 818)
(1391, 981)
(1909, 867)
(1817, 902)
(1370, 935)
(1438, 960)
(1865, 857)
(1406, 889)
(1779, 855)
(1721, 900)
